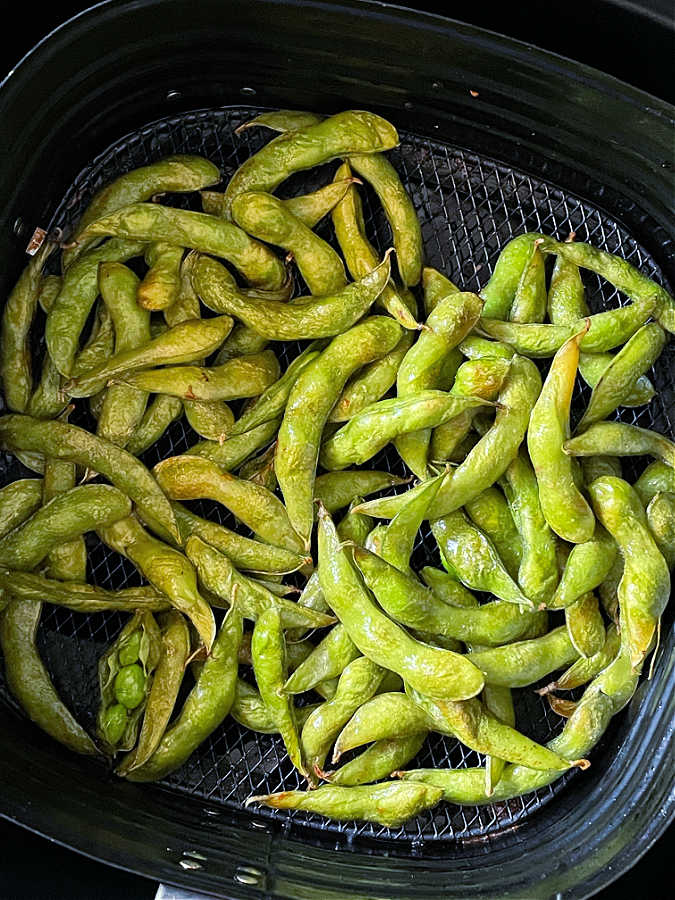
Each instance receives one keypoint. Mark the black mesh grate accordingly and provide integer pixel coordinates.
(469, 207)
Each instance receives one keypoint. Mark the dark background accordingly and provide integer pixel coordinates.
(634, 41)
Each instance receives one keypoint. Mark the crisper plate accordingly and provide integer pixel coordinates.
(470, 207)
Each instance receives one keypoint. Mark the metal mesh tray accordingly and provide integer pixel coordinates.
(470, 207)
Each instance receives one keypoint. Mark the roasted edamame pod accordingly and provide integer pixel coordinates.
(166, 569)
(313, 395)
(565, 508)
(305, 318)
(29, 681)
(441, 672)
(59, 440)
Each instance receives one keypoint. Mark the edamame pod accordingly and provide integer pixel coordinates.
(59, 440)
(621, 439)
(268, 219)
(244, 376)
(166, 569)
(194, 478)
(311, 399)
(564, 507)
(442, 672)
(29, 682)
(161, 284)
(305, 318)
(64, 518)
(529, 301)
(645, 584)
(661, 520)
(353, 131)
(183, 343)
(18, 501)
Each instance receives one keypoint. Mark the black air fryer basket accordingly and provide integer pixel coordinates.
(497, 138)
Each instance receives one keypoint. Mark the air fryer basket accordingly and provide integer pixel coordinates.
(192, 829)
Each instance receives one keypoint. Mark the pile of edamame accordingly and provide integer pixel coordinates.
(162, 311)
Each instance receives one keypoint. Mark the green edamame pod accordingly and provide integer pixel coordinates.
(353, 131)
(172, 174)
(244, 553)
(305, 318)
(65, 517)
(621, 439)
(379, 803)
(538, 570)
(499, 292)
(606, 330)
(585, 625)
(584, 669)
(645, 584)
(244, 376)
(183, 343)
(621, 374)
(592, 366)
(194, 478)
(78, 596)
(329, 659)
(661, 520)
(422, 367)
(151, 222)
(338, 489)
(366, 433)
(50, 285)
(566, 300)
(212, 420)
(161, 284)
(564, 507)
(399, 536)
(448, 588)
(358, 683)
(272, 401)
(166, 681)
(123, 406)
(282, 120)
(371, 383)
(618, 272)
(524, 662)
(220, 577)
(268, 650)
(480, 730)
(443, 673)
(166, 569)
(529, 301)
(399, 210)
(407, 601)
(18, 501)
(249, 710)
(207, 705)
(29, 682)
(490, 512)
(17, 317)
(377, 761)
(125, 674)
(360, 255)
(59, 440)
(79, 290)
(311, 399)
(487, 460)
(268, 219)
(388, 715)
(587, 566)
(475, 347)
(435, 286)
(470, 556)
